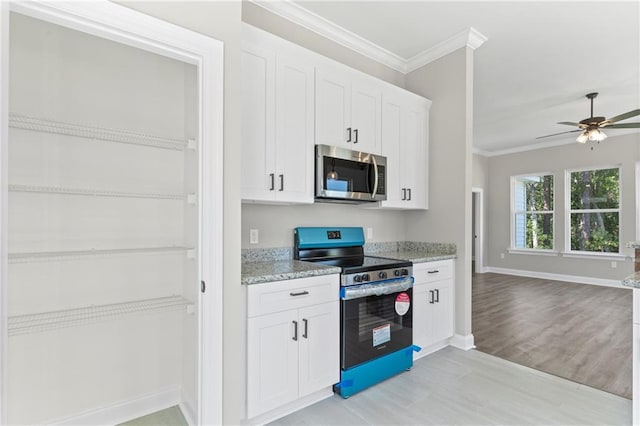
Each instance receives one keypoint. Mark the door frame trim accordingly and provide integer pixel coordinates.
(123, 25)
(477, 194)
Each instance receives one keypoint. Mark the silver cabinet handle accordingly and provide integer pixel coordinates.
(435, 271)
(281, 182)
(404, 194)
(273, 182)
(437, 295)
(355, 131)
(432, 297)
(300, 293)
(295, 330)
(409, 190)
(349, 130)
(305, 334)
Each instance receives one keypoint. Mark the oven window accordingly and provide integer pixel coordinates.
(375, 317)
(374, 326)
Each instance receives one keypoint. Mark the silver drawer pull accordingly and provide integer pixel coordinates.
(302, 293)
(435, 271)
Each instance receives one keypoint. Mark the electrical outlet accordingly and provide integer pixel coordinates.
(501, 255)
(369, 233)
(253, 236)
(614, 264)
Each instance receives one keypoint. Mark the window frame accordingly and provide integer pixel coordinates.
(513, 212)
(568, 252)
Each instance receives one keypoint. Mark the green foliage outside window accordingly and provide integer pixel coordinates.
(595, 216)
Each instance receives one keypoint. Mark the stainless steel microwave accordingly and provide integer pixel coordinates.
(343, 175)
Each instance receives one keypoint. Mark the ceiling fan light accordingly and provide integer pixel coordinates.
(583, 138)
(594, 134)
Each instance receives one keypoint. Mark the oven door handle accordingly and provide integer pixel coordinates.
(379, 289)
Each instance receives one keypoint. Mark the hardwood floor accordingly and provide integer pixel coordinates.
(454, 387)
(576, 331)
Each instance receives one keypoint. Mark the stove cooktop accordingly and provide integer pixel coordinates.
(352, 265)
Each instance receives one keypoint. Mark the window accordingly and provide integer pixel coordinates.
(532, 207)
(594, 210)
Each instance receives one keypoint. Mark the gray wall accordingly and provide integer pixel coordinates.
(448, 82)
(222, 21)
(261, 18)
(275, 223)
(622, 150)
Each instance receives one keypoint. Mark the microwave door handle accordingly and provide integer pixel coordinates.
(375, 173)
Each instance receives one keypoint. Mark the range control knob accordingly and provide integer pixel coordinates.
(405, 272)
(365, 277)
(382, 274)
(397, 272)
(357, 278)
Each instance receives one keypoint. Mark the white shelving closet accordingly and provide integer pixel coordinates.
(103, 310)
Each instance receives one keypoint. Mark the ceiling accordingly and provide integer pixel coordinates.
(538, 62)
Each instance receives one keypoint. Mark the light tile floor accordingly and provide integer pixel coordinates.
(454, 387)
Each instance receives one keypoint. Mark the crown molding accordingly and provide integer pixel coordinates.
(530, 147)
(471, 38)
(297, 14)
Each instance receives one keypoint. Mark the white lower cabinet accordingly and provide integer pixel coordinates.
(432, 305)
(293, 341)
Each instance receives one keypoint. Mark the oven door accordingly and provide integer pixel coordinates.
(375, 325)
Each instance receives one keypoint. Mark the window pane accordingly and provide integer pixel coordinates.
(539, 231)
(539, 193)
(595, 232)
(595, 189)
(534, 230)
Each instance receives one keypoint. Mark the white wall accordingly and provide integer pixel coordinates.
(222, 21)
(448, 82)
(622, 150)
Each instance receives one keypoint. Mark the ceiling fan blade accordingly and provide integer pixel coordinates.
(623, 116)
(569, 123)
(561, 133)
(624, 126)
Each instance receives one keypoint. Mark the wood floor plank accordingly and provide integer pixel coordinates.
(577, 331)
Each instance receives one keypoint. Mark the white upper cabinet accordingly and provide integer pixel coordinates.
(277, 125)
(348, 110)
(405, 142)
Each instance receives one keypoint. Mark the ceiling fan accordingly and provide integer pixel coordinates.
(590, 127)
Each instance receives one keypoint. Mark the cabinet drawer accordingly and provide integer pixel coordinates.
(279, 296)
(432, 271)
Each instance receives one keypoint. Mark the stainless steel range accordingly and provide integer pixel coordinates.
(375, 305)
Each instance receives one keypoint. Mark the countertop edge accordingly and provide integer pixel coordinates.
(316, 271)
(632, 281)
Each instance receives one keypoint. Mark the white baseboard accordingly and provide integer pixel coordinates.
(557, 277)
(292, 407)
(188, 411)
(463, 342)
(125, 410)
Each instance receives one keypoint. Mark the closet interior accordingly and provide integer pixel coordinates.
(103, 227)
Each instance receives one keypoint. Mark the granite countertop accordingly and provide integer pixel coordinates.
(416, 256)
(278, 270)
(632, 280)
(277, 264)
